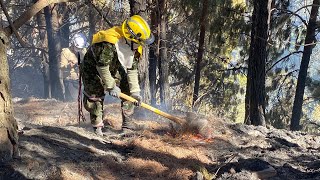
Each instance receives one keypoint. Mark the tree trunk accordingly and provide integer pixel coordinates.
(153, 59)
(64, 30)
(65, 25)
(163, 60)
(45, 69)
(8, 125)
(46, 77)
(256, 65)
(247, 101)
(144, 75)
(139, 7)
(54, 47)
(92, 22)
(197, 67)
(303, 72)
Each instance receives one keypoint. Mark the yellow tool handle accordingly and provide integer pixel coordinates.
(155, 110)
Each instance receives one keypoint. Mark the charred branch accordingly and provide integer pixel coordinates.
(27, 15)
(285, 57)
(101, 14)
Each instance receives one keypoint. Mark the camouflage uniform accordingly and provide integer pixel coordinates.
(104, 54)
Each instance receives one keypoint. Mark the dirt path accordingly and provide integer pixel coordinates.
(54, 146)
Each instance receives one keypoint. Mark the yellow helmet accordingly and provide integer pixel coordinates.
(136, 29)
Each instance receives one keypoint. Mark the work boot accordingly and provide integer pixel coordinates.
(132, 126)
(97, 129)
(128, 125)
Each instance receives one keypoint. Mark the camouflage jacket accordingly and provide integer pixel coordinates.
(102, 54)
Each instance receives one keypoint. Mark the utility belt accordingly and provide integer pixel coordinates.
(93, 97)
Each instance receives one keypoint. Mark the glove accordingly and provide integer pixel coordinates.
(137, 96)
(115, 91)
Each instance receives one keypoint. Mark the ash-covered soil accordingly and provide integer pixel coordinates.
(53, 145)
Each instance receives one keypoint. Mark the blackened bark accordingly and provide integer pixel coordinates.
(65, 25)
(303, 72)
(45, 68)
(64, 31)
(153, 58)
(139, 7)
(247, 101)
(92, 22)
(54, 47)
(256, 65)
(197, 67)
(132, 7)
(163, 60)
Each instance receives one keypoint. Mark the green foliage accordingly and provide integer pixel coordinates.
(225, 27)
(220, 89)
(287, 33)
(314, 86)
(311, 116)
(280, 87)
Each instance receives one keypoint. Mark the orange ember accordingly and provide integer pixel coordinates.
(192, 137)
(197, 138)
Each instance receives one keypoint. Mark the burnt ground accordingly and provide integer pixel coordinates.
(54, 146)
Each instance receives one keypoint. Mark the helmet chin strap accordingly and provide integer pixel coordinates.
(131, 31)
(133, 45)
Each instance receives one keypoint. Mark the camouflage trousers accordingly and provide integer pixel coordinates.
(95, 105)
(95, 108)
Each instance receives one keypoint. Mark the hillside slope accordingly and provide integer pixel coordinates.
(54, 146)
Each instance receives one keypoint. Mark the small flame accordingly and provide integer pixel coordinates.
(196, 137)
(203, 136)
(192, 137)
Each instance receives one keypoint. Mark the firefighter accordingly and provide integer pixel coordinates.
(69, 67)
(111, 66)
